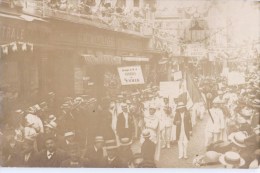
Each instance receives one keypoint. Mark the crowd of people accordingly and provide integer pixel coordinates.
(86, 132)
(232, 131)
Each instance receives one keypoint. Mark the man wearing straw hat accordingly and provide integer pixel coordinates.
(125, 152)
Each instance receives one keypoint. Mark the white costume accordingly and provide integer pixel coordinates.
(34, 122)
(183, 140)
(214, 129)
(166, 123)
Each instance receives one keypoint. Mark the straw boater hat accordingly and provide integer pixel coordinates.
(51, 125)
(78, 99)
(111, 144)
(180, 105)
(67, 134)
(92, 100)
(68, 99)
(52, 117)
(43, 105)
(19, 112)
(125, 142)
(99, 139)
(65, 106)
(238, 138)
(51, 94)
(146, 133)
(231, 159)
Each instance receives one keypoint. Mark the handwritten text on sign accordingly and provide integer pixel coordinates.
(131, 75)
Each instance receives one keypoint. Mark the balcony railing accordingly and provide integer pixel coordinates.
(109, 18)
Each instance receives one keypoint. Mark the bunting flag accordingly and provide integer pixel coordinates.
(5, 49)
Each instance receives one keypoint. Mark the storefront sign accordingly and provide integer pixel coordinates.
(102, 60)
(131, 75)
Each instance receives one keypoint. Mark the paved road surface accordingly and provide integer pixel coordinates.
(169, 157)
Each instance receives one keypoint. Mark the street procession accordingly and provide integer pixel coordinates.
(130, 84)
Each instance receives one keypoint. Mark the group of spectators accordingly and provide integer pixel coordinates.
(233, 129)
(118, 17)
(86, 132)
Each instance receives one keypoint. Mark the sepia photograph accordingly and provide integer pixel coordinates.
(130, 84)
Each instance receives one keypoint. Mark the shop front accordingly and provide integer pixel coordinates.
(20, 44)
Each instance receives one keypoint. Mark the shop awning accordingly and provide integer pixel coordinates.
(10, 16)
(32, 18)
(135, 59)
(102, 60)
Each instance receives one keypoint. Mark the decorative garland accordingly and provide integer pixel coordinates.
(15, 46)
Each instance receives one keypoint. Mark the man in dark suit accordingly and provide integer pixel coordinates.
(11, 151)
(182, 120)
(28, 156)
(112, 160)
(69, 138)
(125, 125)
(75, 161)
(95, 153)
(148, 147)
(51, 156)
(125, 153)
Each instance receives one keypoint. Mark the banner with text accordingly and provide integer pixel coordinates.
(131, 75)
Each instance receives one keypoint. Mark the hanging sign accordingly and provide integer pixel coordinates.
(131, 75)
